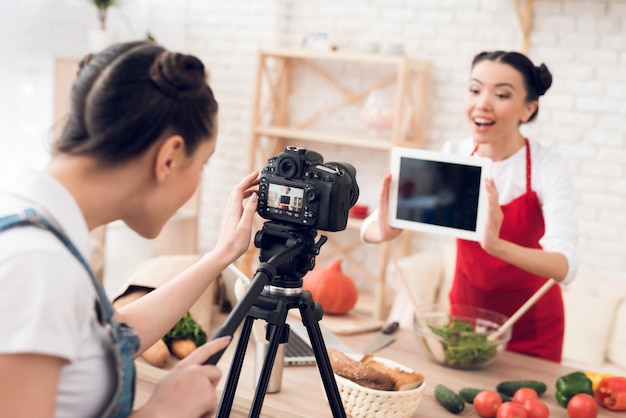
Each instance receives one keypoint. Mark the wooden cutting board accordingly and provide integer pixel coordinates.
(348, 324)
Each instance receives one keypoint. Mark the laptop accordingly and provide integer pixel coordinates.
(298, 350)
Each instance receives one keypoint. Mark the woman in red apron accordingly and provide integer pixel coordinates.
(530, 233)
(492, 283)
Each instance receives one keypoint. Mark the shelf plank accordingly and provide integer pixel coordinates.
(361, 58)
(327, 138)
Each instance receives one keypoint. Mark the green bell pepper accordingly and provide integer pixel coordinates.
(571, 384)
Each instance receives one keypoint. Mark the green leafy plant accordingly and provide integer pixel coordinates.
(103, 7)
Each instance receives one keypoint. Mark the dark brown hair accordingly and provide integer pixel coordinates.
(537, 80)
(128, 95)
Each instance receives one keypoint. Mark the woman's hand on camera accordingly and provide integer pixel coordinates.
(237, 220)
(188, 390)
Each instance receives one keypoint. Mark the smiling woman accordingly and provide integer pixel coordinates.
(530, 233)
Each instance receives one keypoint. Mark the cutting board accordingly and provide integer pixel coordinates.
(348, 324)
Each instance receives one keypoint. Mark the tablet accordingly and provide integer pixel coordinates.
(438, 192)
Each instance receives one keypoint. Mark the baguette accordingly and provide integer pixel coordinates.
(403, 380)
(359, 372)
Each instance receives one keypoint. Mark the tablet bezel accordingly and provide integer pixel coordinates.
(485, 164)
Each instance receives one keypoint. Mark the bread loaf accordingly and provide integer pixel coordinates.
(358, 372)
(372, 374)
(403, 380)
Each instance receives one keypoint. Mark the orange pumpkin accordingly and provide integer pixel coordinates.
(331, 288)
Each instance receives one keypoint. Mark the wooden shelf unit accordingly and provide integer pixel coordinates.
(274, 125)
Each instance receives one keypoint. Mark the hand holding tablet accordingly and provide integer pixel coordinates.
(437, 192)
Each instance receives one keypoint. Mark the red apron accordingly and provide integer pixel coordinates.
(491, 283)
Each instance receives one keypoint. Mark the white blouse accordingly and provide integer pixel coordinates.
(48, 299)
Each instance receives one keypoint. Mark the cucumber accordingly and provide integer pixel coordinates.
(510, 387)
(468, 395)
(449, 399)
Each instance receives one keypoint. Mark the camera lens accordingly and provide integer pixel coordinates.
(287, 168)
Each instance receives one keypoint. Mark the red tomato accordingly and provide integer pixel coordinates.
(522, 394)
(536, 409)
(486, 403)
(582, 406)
(511, 410)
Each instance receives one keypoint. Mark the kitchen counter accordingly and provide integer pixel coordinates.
(302, 394)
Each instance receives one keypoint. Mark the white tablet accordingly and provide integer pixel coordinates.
(438, 192)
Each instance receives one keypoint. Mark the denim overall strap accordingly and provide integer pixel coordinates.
(124, 338)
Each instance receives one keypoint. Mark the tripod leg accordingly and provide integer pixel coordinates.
(310, 317)
(226, 403)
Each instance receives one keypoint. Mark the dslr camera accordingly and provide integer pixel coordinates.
(299, 189)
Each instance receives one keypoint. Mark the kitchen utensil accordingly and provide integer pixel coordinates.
(521, 311)
(433, 343)
(384, 339)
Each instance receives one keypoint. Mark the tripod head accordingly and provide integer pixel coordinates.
(287, 254)
(275, 238)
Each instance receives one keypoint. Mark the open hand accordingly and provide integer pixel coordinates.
(386, 232)
(491, 236)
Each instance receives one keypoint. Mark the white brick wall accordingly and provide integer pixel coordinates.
(582, 42)
(583, 114)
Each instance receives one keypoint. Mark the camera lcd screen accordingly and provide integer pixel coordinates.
(438, 192)
(284, 197)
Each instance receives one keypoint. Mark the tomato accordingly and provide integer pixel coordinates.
(522, 394)
(536, 409)
(582, 405)
(511, 410)
(486, 403)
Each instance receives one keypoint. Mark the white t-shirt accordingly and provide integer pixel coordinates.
(550, 179)
(48, 299)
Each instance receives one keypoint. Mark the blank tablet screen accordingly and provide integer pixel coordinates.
(438, 192)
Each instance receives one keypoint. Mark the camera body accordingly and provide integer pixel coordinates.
(297, 188)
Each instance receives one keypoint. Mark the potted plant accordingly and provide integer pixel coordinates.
(102, 37)
(103, 7)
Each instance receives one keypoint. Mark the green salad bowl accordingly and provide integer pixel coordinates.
(458, 337)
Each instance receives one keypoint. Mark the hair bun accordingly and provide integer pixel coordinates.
(84, 62)
(178, 75)
(544, 79)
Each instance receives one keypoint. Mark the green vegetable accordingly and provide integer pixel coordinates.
(510, 387)
(186, 329)
(463, 347)
(468, 395)
(448, 399)
(571, 384)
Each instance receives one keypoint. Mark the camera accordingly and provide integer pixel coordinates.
(298, 188)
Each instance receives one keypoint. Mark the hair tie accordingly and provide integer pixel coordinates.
(178, 75)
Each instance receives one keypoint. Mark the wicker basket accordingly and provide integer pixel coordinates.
(361, 402)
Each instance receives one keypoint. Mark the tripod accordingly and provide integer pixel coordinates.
(275, 289)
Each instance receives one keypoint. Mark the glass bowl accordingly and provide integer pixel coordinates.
(457, 338)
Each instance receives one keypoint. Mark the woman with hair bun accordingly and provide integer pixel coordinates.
(531, 224)
(143, 123)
